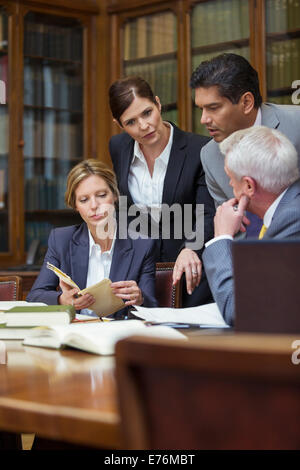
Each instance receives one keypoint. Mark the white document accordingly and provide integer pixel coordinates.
(204, 315)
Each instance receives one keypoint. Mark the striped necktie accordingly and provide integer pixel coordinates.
(262, 232)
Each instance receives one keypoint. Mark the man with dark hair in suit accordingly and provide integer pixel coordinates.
(227, 91)
(262, 168)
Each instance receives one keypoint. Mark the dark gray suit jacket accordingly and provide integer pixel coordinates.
(68, 249)
(284, 118)
(217, 257)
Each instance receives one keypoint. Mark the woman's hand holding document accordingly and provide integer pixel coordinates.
(105, 301)
(202, 316)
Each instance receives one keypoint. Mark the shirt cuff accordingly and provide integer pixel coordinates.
(220, 237)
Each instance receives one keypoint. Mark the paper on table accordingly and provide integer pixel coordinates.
(207, 314)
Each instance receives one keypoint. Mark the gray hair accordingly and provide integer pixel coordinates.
(264, 154)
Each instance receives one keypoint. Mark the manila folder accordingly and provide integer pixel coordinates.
(106, 302)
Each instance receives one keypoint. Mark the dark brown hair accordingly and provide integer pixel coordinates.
(122, 93)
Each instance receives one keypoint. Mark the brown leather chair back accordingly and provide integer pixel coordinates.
(167, 295)
(11, 288)
(211, 392)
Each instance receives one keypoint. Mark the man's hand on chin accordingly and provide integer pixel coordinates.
(230, 218)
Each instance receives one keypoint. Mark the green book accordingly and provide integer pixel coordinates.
(38, 316)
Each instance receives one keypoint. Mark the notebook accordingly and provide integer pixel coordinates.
(267, 286)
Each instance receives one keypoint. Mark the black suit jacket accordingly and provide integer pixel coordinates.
(184, 181)
(184, 184)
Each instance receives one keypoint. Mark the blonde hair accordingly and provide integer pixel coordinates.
(85, 169)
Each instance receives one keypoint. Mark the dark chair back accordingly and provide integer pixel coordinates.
(167, 295)
(11, 288)
(222, 391)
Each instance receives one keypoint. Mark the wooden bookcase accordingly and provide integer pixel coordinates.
(47, 115)
(266, 32)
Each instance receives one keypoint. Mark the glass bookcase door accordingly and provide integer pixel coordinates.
(53, 117)
(282, 49)
(150, 51)
(4, 133)
(218, 26)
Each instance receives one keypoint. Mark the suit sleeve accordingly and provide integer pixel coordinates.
(203, 197)
(217, 259)
(45, 287)
(146, 280)
(204, 221)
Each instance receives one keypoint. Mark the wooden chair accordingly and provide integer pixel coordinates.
(212, 392)
(11, 288)
(166, 294)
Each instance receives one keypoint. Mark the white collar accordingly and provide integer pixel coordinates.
(258, 118)
(272, 208)
(92, 243)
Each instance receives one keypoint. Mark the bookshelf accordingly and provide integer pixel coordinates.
(282, 48)
(266, 32)
(47, 81)
(217, 26)
(150, 51)
(53, 116)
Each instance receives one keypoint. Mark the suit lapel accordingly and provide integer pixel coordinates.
(291, 193)
(126, 158)
(79, 256)
(175, 165)
(121, 260)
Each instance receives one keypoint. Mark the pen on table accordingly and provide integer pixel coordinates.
(173, 324)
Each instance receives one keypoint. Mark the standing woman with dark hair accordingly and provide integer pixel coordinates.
(156, 163)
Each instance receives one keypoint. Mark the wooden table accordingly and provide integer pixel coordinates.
(64, 395)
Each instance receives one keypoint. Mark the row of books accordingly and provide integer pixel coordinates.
(53, 85)
(283, 63)
(45, 194)
(171, 115)
(51, 133)
(284, 99)
(56, 41)
(282, 15)
(219, 21)
(50, 168)
(37, 231)
(162, 77)
(198, 128)
(198, 58)
(150, 35)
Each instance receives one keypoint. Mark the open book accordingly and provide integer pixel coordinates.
(105, 303)
(97, 338)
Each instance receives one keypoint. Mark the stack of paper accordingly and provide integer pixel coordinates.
(205, 315)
